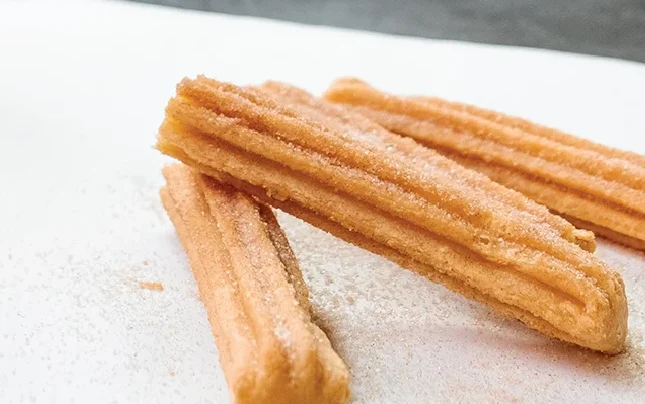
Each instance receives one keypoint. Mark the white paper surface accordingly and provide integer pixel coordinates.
(82, 92)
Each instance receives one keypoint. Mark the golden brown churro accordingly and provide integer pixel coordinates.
(254, 294)
(600, 188)
(354, 179)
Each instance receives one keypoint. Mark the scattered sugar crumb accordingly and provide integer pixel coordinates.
(151, 286)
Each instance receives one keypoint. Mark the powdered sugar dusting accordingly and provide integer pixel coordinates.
(408, 340)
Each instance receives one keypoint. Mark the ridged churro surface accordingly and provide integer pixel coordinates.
(588, 182)
(254, 294)
(352, 178)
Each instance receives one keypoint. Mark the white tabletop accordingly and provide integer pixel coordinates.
(82, 91)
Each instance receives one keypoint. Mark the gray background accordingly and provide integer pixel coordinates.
(600, 27)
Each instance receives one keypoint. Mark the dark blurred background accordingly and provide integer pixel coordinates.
(600, 27)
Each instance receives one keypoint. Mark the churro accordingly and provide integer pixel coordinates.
(339, 171)
(594, 186)
(255, 297)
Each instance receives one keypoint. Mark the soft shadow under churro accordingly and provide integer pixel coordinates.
(493, 333)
